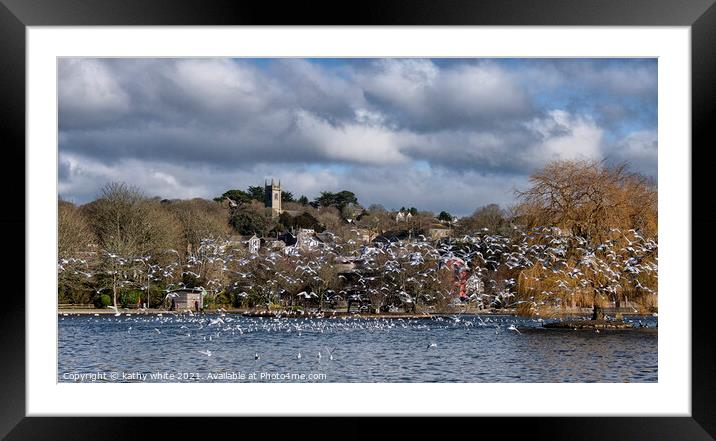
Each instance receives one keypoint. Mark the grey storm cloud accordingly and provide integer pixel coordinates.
(446, 134)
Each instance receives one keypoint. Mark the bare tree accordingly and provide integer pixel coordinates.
(200, 219)
(588, 198)
(491, 217)
(73, 231)
(129, 228)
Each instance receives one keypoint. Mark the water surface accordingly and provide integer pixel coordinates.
(176, 348)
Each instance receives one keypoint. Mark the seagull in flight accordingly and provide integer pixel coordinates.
(330, 353)
(512, 327)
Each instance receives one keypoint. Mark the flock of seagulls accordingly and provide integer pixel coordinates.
(411, 270)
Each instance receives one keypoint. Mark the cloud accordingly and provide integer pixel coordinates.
(364, 141)
(421, 96)
(432, 189)
(639, 149)
(563, 136)
(89, 94)
(389, 129)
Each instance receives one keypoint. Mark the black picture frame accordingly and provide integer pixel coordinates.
(16, 15)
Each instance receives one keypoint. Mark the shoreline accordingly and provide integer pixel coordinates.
(324, 314)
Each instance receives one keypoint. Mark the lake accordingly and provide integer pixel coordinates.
(230, 347)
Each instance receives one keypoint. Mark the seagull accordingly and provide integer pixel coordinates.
(207, 353)
(513, 328)
(257, 356)
(299, 355)
(432, 345)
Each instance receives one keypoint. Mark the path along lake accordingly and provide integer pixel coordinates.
(221, 348)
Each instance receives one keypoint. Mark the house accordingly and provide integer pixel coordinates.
(403, 216)
(254, 244)
(439, 233)
(191, 299)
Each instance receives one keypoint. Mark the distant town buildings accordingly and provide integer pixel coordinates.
(294, 241)
(403, 216)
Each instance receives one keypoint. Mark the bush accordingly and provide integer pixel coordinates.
(236, 300)
(223, 298)
(129, 297)
(247, 221)
(102, 301)
(209, 302)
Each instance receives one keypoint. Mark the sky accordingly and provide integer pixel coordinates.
(435, 134)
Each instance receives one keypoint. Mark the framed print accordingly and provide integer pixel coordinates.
(424, 212)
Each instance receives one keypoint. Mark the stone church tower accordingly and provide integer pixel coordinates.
(273, 197)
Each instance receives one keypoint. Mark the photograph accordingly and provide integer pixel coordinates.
(307, 219)
(357, 220)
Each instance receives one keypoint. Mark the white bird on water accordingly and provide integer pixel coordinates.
(299, 355)
(207, 353)
(512, 327)
(432, 345)
(257, 356)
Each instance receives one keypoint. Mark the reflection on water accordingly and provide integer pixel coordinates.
(445, 349)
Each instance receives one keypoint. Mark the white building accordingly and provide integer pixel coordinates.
(403, 216)
(254, 244)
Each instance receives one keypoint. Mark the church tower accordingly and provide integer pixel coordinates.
(272, 193)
